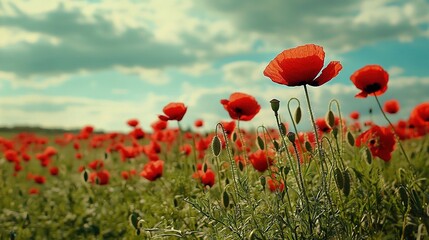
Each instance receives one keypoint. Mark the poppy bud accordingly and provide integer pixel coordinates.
(298, 115)
(291, 136)
(275, 105)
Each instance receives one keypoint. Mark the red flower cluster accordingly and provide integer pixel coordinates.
(380, 141)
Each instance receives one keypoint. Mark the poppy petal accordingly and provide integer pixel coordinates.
(296, 66)
(328, 73)
(163, 118)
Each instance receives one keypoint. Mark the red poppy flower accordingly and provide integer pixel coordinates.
(419, 116)
(241, 106)
(33, 191)
(354, 115)
(101, 177)
(275, 185)
(133, 122)
(11, 155)
(207, 178)
(261, 160)
(125, 175)
(379, 140)
(228, 127)
(39, 179)
(159, 125)
(391, 106)
(53, 171)
(173, 111)
(153, 170)
(186, 149)
(96, 164)
(371, 79)
(323, 126)
(137, 133)
(301, 65)
(199, 123)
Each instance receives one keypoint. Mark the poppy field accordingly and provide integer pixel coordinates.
(342, 179)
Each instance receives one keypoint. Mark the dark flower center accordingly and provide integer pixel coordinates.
(372, 88)
(239, 111)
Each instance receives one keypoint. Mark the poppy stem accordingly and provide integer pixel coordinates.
(319, 147)
(394, 132)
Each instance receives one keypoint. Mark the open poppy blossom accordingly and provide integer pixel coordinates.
(379, 140)
(173, 111)
(371, 79)
(391, 106)
(241, 106)
(302, 65)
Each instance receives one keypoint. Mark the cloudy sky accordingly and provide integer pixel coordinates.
(71, 63)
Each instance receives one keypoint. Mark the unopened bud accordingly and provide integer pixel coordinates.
(275, 105)
(291, 136)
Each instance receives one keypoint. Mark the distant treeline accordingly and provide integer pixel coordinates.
(40, 130)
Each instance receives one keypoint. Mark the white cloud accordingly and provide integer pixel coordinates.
(153, 76)
(34, 81)
(243, 72)
(119, 91)
(395, 71)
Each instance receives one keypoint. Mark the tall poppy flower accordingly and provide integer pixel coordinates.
(173, 111)
(241, 106)
(371, 79)
(391, 106)
(302, 65)
(380, 141)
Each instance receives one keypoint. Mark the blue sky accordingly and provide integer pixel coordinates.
(72, 63)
